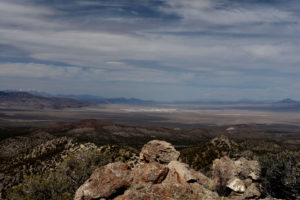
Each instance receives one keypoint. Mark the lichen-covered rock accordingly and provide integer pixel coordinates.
(179, 173)
(105, 181)
(149, 172)
(148, 181)
(182, 173)
(159, 151)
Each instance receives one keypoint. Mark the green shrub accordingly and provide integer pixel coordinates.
(281, 174)
(201, 158)
(62, 183)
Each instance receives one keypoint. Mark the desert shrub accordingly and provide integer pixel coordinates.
(62, 183)
(281, 174)
(222, 172)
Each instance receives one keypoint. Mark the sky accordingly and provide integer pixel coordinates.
(152, 49)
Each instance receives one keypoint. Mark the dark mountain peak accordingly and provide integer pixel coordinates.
(15, 94)
(288, 101)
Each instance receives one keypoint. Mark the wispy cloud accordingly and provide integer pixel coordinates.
(218, 13)
(119, 72)
(191, 44)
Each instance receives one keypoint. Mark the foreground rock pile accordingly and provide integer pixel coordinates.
(159, 175)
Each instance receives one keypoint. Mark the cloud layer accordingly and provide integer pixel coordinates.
(155, 49)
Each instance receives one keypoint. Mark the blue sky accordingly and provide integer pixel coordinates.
(159, 50)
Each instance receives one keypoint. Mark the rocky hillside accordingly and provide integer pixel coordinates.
(47, 165)
(103, 132)
(24, 100)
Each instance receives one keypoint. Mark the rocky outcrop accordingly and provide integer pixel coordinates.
(159, 151)
(240, 177)
(159, 175)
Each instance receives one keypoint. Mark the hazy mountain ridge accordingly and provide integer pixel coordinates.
(254, 104)
(28, 100)
(102, 100)
(87, 98)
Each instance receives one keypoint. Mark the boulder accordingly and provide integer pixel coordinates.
(149, 172)
(179, 173)
(182, 173)
(105, 181)
(158, 151)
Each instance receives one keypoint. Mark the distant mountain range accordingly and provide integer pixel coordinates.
(102, 100)
(223, 102)
(121, 100)
(12, 99)
(44, 100)
(86, 98)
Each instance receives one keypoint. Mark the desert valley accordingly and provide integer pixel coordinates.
(39, 136)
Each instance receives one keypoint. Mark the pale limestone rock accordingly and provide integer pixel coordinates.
(236, 185)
